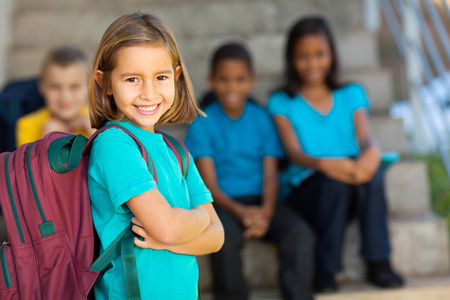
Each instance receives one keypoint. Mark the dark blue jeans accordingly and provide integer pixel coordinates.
(295, 253)
(328, 205)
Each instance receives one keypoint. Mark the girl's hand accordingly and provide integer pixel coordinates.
(340, 169)
(366, 166)
(148, 241)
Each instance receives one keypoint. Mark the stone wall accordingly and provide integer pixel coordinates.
(6, 8)
(199, 27)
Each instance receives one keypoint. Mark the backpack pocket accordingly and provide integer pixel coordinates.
(58, 272)
(8, 285)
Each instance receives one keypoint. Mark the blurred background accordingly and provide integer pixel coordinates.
(399, 51)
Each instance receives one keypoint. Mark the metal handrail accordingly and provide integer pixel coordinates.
(407, 46)
(440, 28)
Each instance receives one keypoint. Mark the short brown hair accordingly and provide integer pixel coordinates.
(131, 30)
(64, 56)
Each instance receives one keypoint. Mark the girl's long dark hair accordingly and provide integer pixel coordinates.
(308, 26)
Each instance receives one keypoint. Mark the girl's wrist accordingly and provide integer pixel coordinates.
(320, 164)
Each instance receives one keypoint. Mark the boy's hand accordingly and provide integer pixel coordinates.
(259, 222)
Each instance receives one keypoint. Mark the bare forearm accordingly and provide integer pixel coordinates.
(224, 201)
(187, 224)
(210, 241)
(369, 159)
(302, 159)
(270, 185)
(168, 225)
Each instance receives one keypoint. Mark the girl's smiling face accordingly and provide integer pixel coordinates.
(312, 59)
(143, 83)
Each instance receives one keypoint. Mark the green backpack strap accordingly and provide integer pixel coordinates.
(122, 246)
(68, 149)
(145, 155)
(180, 151)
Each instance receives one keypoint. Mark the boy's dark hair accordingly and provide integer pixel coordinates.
(231, 51)
(308, 26)
(64, 56)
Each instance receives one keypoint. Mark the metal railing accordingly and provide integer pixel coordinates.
(417, 38)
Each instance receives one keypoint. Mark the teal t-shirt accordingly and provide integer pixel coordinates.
(320, 135)
(117, 172)
(237, 146)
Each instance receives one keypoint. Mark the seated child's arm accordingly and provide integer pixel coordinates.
(210, 241)
(341, 169)
(168, 225)
(270, 185)
(53, 124)
(368, 161)
(262, 215)
(207, 171)
(81, 123)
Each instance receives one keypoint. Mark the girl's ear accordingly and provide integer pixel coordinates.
(99, 79)
(178, 72)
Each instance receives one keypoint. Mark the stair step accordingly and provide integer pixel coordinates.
(419, 248)
(389, 133)
(430, 288)
(378, 84)
(352, 56)
(407, 189)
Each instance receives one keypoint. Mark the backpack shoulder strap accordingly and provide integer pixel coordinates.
(147, 157)
(180, 151)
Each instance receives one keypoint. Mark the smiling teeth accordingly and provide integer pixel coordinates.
(148, 108)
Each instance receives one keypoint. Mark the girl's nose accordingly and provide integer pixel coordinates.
(148, 90)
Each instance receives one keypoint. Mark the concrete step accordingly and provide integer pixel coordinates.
(420, 248)
(357, 50)
(407, 189)
(389, 133)
(432, 288)
(378, 83)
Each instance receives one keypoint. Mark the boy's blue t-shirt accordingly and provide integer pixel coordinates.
(321, 135)
(117, 172)
(237, 146)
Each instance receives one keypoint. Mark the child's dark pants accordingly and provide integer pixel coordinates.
(328, 205)
(295, 253)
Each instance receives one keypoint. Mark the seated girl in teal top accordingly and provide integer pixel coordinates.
(138, 81)
(334, 133)
(334, 172)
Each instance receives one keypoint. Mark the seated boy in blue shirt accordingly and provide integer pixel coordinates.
(236, 150)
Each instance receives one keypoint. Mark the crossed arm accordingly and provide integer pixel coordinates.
(195, 231)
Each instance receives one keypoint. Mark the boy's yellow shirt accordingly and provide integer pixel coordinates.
(29, 127)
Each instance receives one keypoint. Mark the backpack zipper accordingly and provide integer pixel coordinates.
(33, 185)
(5, 271)
(12, 201)
(46, 228)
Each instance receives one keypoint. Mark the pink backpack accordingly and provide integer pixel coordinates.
(45, 202)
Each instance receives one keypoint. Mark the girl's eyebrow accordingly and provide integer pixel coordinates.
(129, 74)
